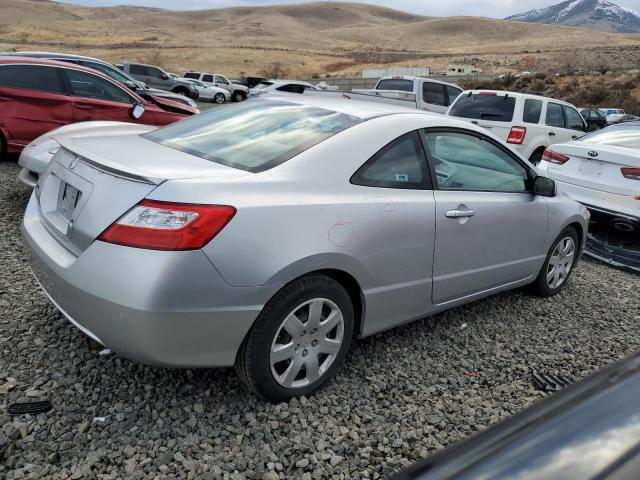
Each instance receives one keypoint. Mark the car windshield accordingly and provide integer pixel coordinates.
(255, 136)
(483, 106)
(620, 137)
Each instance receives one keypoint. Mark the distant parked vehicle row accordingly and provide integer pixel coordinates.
(213, 94)
(238, 91)
(156, 77)
(289, 86)
(528, 123)
(595, 118)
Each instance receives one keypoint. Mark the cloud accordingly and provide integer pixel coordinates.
(483, 8)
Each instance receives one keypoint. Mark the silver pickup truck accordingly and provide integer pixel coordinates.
(416, 92)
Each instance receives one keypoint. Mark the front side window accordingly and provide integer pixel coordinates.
(465, 161)
(32, 77)
(139, 70)
(220, 79)
(555, 117)
(532, 111)
(254, 136)
(574, 119)
(452, 94)
(433, 93)
(155, 72)
(91, 86)
(292, 88)
(401, 164)
(395, 84)
(485, 106)
(108, 71)
(192, 75)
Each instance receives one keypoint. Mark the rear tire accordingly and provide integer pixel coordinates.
(238, 96)
(298, 341)
(182, 91)
(558, 265)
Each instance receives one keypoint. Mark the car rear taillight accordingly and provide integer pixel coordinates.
(554, 157)
(516, 135)
(168, 226)
(631, 173)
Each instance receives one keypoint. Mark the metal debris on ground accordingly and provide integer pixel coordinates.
(32, 408)
(550, 383)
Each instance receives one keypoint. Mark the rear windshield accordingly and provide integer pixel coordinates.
(253, 136)
(391, 84)
(627, 137)
(497, 108)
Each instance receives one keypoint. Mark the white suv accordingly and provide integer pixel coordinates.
(238, 92)
(528, 123)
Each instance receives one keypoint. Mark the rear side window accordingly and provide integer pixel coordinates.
(32, 77)
(192, 75)
(433, 93)
(207, 78)
(139, 70)
(396, 84)
(91, 86)
(497, 108)
(532, 111)
(401, 164)
(254, 136)
(555, 117)
(573, 118)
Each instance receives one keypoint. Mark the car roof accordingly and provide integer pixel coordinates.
(48, 55)
(343, 103)
(432, 80)
(517, 95)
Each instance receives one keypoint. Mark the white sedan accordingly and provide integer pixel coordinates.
(601, 170)
(210, 93)
(279, 86)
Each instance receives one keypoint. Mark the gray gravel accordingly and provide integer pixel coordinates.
(402, 395)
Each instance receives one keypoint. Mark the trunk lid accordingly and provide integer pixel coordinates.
(91, 182)
(596, 166)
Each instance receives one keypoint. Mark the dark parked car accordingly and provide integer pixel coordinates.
(38, 95)
(594, 117)
(591, 430)
(251, 82)
(154, 95)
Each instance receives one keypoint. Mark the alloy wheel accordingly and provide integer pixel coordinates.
(307, 342)
(219, 98)
(561, 262)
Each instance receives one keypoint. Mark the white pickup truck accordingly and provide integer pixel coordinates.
(422, 93)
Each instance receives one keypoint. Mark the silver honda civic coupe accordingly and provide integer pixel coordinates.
(270, 234)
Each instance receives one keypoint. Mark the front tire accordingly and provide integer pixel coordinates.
(299, 340)
(557, 268)
(219, 98)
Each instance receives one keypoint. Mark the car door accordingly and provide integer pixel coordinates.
(574, 122)
(208, 79)
(434, 97)
(159, 79)
(222, 82)
(33, 101)
(490, 228)
(96, 98)
(564, 123)
(141, 73)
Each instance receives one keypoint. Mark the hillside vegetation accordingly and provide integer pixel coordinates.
(309, 39)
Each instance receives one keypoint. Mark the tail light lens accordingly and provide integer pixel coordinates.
(516, 135)
(554, 157)
(168, 226)
(631, 173)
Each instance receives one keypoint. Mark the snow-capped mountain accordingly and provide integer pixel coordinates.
(596, 14)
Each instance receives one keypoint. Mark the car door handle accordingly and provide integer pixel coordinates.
(82, 106)
(459, 213)
(552, 134)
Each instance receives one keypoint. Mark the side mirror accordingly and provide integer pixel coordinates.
(137, 111)
(131, 85)
(544, 186)
(164, 76)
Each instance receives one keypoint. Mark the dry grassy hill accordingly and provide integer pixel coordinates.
(308, 39)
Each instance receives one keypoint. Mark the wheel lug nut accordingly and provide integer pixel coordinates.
(314, 343)
(305, 352)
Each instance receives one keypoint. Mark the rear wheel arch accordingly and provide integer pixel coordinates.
(536, 155)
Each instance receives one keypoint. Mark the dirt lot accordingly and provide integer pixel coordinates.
(401, 396)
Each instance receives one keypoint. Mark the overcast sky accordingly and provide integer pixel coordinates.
(485, 8)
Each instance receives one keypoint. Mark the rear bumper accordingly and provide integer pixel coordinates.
(160, 308)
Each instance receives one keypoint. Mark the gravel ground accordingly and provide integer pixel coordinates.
(401, 396)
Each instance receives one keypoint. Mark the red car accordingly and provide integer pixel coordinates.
(38, 95)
